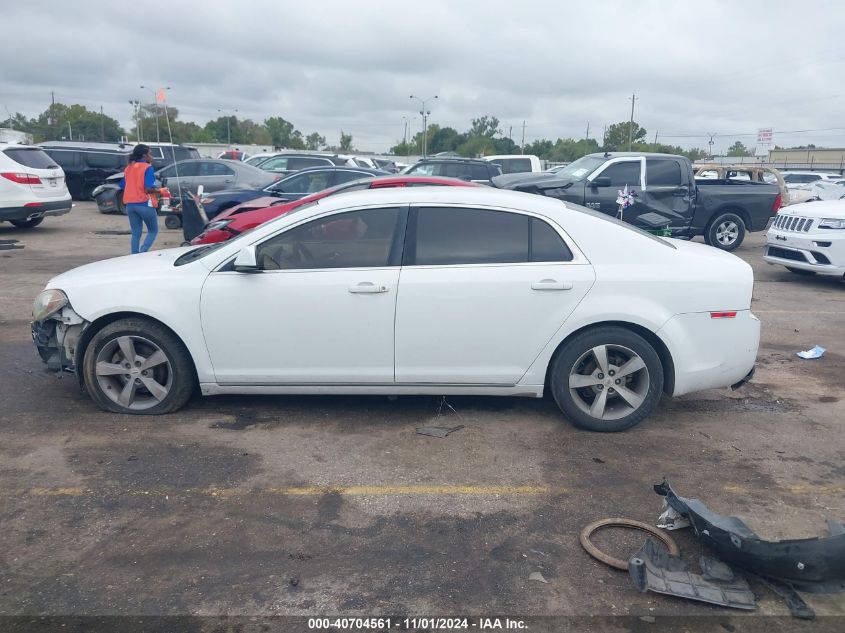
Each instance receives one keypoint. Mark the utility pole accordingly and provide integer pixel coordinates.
(655, 136)
(603, 137)
(710, 143)
(102, 126)
(522, 147)
(228, 129)
(424, 114)
(587, 137)
(52, 97)
(631, 124)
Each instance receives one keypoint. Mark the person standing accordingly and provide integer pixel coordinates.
(140, 198)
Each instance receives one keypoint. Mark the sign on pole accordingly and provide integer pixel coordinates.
(764, 135)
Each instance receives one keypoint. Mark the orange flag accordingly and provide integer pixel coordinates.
(160, 96)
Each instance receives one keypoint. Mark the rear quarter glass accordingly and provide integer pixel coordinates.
(31, 157)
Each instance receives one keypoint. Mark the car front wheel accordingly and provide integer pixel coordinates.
(138, 366)
(726, 231)
(607, 379)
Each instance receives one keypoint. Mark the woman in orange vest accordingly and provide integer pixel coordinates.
(140, 197)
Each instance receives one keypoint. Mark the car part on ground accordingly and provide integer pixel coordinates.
(815, 565)
(618, 563)
(653, 568)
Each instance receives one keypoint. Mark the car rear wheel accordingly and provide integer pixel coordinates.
(607, 379)
(138, 366)
(27, 224)
(726, 231)
(172, 221)
(119, 207)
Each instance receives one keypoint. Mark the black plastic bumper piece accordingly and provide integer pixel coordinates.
(814, 565)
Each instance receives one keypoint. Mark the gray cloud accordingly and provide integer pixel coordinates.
(697, 67)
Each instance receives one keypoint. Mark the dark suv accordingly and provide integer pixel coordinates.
(87, 165)
(480, 171)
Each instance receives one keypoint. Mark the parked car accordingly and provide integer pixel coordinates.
(234, 154)
(248, 215)
(32, 186)
(289, 162)
(292, 187)
(87, 165)
(165, 154)
(429, 290)
(667, 195)
(809, 238)
(214, 175)
(478, 171)
(803, 177)
(386, 165)
(516, 163)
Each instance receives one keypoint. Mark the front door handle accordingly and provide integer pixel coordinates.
(551, 284)
(367, 287)
(682, 193)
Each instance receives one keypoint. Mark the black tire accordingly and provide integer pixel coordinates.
(177, 371)
(620, 345)
(119, 207)
(726, 231)
(172, 221)
(27, 224)
(799, 271)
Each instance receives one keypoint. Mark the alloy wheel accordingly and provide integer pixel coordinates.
(133, 372)
(609, 382)
(727, 232)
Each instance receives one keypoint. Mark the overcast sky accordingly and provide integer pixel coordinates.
(697, 66)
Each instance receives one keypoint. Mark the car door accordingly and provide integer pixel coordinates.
(180, 176)
(482, 292)
(214, 176)
(622, 173)
(668, 193)
(320, 312)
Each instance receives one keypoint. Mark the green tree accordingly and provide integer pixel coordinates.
(738, 149)
(254, 133)
(487, 126)
(223, 129)
(60, 121)
(283, 133)
(616, 138)
(315, 141)
(443, 139)
(346, 142)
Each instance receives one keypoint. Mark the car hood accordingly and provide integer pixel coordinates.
(134, 267)
(834, 209)
(250, 205)
(524, 180)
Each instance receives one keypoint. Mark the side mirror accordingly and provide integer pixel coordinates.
(246, 262)
(601, 181)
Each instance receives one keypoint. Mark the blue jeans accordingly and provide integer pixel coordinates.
(140, 214)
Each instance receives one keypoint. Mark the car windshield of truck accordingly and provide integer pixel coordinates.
(581, 168)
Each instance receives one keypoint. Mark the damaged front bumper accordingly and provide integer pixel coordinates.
(57, 337)
(814, 565)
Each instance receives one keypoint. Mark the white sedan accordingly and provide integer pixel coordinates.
(411, 291)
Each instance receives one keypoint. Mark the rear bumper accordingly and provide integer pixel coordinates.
(30, 213)
(711, 353)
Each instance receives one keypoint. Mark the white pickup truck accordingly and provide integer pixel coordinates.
(516, 163)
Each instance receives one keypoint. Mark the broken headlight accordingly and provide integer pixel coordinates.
(47, 303)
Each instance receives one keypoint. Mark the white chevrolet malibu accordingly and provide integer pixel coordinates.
(411, 291)
(809, 238)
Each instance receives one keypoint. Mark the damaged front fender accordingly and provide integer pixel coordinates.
(815, 565)
(57, 339)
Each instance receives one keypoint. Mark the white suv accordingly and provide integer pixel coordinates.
(809, 238)
(32, 186)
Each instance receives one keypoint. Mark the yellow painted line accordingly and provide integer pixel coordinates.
(376, 491)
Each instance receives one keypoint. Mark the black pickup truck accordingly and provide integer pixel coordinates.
(667, 196)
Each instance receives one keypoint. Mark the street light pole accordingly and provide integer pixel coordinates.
(135, 103)
(424, 114)
(228, 129)
(155, 105)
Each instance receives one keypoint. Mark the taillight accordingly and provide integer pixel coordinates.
(776, 205)
(22, 179)
(723, 315)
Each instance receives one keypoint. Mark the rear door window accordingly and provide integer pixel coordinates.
(31, 157)
(447, 236)
(479, 172)
(347, 176)
(301, 162)
(546, 244)
(103, 160)
(280, 163)
(65, 159)
(662, 173)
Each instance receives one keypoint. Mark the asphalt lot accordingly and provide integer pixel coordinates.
(334, 505)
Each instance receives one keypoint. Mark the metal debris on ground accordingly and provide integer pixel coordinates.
(671, 519)
(654, 569)
(618, 563)
(10, 245)
(817, 352)
(438, 431)
(536, 575)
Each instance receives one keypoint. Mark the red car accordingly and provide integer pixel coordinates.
(232, 222)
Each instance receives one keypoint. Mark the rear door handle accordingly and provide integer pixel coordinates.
(681, 192)
(367, 287)
(551, 284)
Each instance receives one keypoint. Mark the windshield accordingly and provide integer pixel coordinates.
(617, 222)
(581, 168)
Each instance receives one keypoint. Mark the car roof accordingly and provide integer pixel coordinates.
(482, 196)
(365, 170)
(610, 155)
(5, 145)
(84, 145)
(451, 159)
